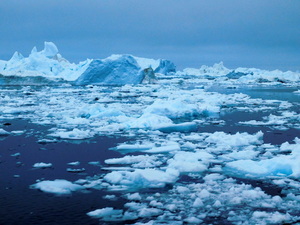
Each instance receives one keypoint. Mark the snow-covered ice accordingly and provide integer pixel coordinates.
(42, 165)
(59, 187)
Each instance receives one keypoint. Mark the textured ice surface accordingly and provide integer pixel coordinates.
(189, 156)
(59, 187)
(42, 165)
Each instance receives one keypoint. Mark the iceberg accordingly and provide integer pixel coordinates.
(39, 67)
(112, 71)
(49, 67)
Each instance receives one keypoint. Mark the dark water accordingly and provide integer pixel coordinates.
(21, 205)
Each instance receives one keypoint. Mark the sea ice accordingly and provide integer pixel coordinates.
(42, 165)
(59, 187)
(4, 132)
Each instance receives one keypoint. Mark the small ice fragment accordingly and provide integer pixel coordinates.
(94, 163)
(134, 197)
(16, 154)
(71, 170)
(109, 197)
(42, 165)
(77, 163)
(106, 214)
(4, 132)
(60, 187)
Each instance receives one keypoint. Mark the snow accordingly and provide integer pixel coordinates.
(59, 186)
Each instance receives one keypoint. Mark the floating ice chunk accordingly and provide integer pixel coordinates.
(94, 163)
(134, 197)
(77, 163)
(110, 197)
(171, 147)
(18, 132)
(16, 154)
(4, 132)
(247, 153)
(279, 166)
(42, 165)
(75, 134)
(136, 147)
(186, 162)
(182, 190)
(172, 108)
(295, 148)
(137, 161)
(193, 220)
(149, 121)
(59, 187)
(107, 214)
(297, 92)
(72, 170)
(142, 178)
(149, 212)
(182, 127)
(270, 218)
(198, 203)
(238, 139)
(213, 177)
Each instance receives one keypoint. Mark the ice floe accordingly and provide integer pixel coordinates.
(42, 165)
(59, 187)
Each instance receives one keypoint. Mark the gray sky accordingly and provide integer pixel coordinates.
(257, 33)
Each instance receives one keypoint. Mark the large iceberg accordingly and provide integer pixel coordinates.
(47, 63)
(124, 69)
(49, 67)
(120, 70)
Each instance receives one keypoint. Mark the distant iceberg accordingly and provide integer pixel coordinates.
(47, 63)
(49, 67)
(240, 75)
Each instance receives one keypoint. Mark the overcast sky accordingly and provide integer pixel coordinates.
(257, 33)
